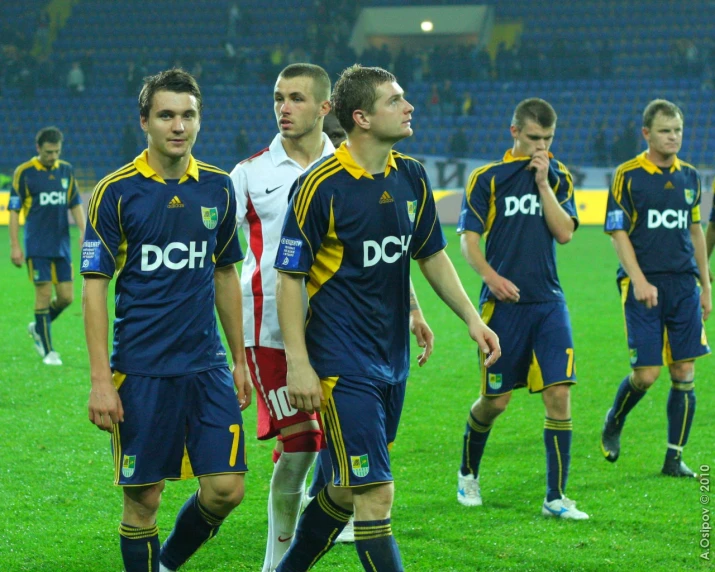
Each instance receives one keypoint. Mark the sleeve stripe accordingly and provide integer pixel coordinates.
(206, 167)
(434, 220)
(225, 246)
(308, 188)
(18, 174)
(472, 184)
(101, 187)
(569, 180)
(299, 201)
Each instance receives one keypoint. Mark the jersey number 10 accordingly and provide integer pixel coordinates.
(280, 403)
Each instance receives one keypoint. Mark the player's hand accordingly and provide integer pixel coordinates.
(488, 342)
(17, 257)
(504, 289)
(423, 334)
(706, 302)
(105, 406)
(645, 293)
(304, 390)
(540, 165)
(242, 382)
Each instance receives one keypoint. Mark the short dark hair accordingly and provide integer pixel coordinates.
(321, 79)
(663, 106)
(48, 135)
(534, 109)
(357, 89)
(176, 80)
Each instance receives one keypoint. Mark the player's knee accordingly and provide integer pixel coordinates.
(492, 407)
(302, 442)
(557, 400)
(64, 300)
(143, 502)
(683, 372)
(224, 494)
(373, 502)
(644, 377)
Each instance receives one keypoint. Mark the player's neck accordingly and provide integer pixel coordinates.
(168, 167)
(304, 150)
(664, 161)
(371, 155)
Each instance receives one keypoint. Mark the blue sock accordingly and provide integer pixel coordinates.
(322, 473)
(475, 439)
(557, 438)
(681, 410)
(140, 548)
(319, 525)
(376, 546)
(55, 310)
(193, 527)
(43, 329)
(627, 397)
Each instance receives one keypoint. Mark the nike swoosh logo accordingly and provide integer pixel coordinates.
(557, 512)
(281, 539)
(269, 191)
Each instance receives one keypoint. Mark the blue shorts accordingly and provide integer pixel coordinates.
(536, 345)
(673, 331)
(360, 419)
(53, 270)
(177, 428)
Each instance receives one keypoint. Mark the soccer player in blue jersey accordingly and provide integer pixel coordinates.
(653, 217)
(165, 224)
(44, 188)
(353, 224)
(524, 205)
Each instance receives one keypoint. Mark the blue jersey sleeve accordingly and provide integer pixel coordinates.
(561, 181)
(228, 248)
(619, 208)
(18, 190)
(73, 198)
(695, 216)
(307, 221)
(103, 239)
(427, 236)
(474, 215)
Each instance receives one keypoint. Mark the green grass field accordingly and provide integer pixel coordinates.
(60, 510)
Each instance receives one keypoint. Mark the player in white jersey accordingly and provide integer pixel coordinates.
(301, 101)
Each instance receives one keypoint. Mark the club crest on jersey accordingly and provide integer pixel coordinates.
(633, 355)
(494, 381)
(411, 210)
(65, 183)
(689, 196)
(128, 464)
(360, 465)
(210, 217)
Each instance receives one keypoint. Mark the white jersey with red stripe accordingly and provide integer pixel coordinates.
(262, 184)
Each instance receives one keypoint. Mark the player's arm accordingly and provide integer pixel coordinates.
(420, 329)
(304, 389)
(16, 255)
(78, 215)
(701, 259)
(229, 307)
(504, 289)
(560, 223)
(441, 275)
(710, 239)
(643, 290)
(105, 406)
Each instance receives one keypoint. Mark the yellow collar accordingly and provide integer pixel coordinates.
(141, 163)
(40, 167)
(346, 160)
(508, 157)
(651, 168)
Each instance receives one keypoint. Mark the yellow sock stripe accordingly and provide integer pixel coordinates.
(374, 528)
(331, 510)
(369, 534)
(467, 449)
(210, 519)
(685, 421)
(325, 548)
(134, 533)
(476, 426)
(623, 403)
(558, 425)
(558, 457)
(370, 562)
(683, 385)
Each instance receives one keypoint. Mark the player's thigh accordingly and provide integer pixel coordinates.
(215, 439)
(148, 446)
(685, 331)
(553, 362)
(512, 323)
(356, 417)
(267, 367)
(644, 329)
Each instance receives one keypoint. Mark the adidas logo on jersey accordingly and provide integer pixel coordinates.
(669, 186)
(386, 198)
(175, 203)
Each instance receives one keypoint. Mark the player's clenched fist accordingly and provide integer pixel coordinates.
(304, 390)
(105, 406)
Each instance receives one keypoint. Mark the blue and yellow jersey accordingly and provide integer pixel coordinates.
(163, 239)
(44, 195)
(656, 208)
(352, 234)
(502, 202)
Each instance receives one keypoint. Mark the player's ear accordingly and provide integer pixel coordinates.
(361, 120)
(325, 108)
(646, 133)
(514, 130)
(143, 121)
